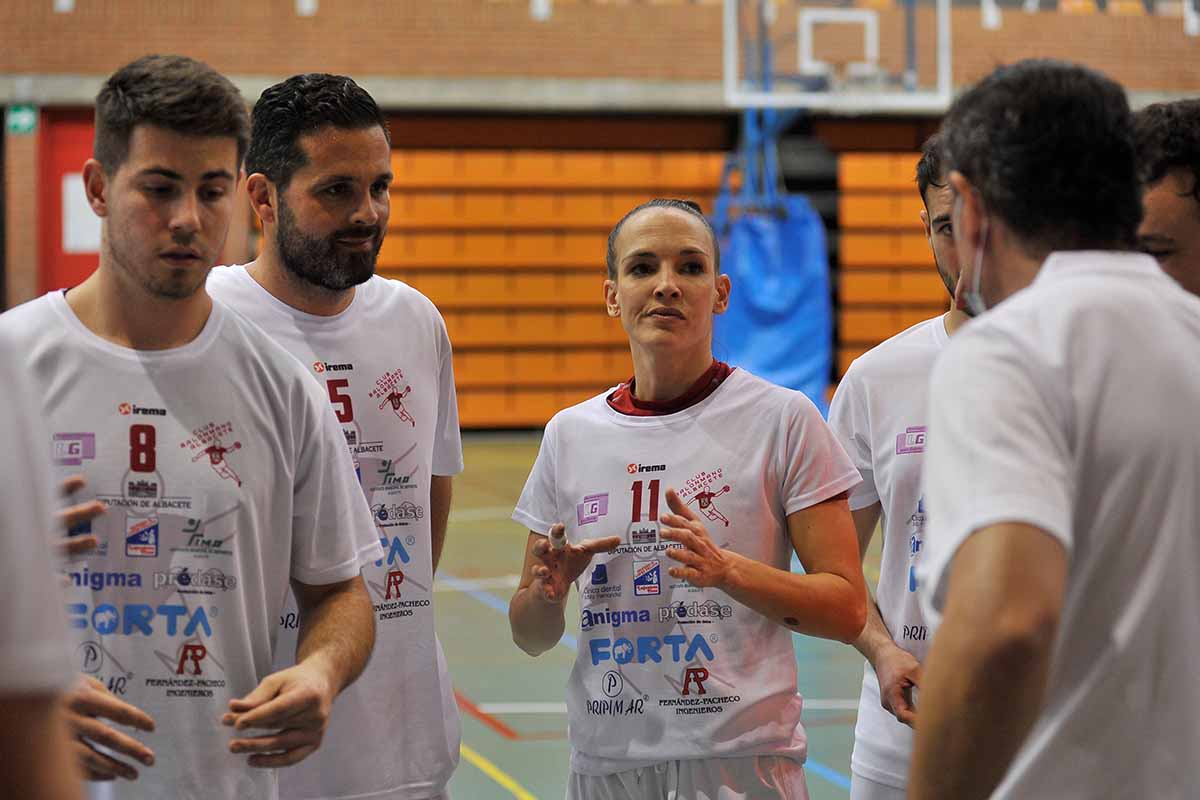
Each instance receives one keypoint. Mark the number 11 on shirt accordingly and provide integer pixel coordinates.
(637, 501)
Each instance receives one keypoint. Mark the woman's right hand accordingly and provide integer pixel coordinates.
(557, 569)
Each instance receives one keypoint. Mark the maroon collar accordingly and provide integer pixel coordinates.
(623, 401)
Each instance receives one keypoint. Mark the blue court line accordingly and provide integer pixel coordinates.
(491, 601)
(828, 773)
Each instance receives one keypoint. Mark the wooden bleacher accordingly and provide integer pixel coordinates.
(887, 281)
(510, 244)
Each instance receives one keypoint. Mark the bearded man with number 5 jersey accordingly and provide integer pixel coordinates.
(689, 487)
(225, 474)
(320, 168)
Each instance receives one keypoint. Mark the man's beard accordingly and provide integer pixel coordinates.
(950, 284)
(320, 261)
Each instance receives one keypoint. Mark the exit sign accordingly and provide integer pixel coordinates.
(21, 120)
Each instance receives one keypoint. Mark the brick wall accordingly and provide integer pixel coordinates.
(20, 225)
(458, 38)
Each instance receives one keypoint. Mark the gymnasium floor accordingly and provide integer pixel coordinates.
(514, 716)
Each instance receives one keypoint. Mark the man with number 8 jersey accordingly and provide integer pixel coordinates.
(224, 472)
(683, 494)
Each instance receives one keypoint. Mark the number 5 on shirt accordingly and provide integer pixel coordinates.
(343, 406)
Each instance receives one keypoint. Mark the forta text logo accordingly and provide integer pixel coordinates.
(676, 647)
(138, 618)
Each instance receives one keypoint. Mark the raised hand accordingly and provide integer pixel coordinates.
(557, 569)
(702, 562)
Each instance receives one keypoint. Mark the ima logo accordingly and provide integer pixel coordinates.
(696, 675)
(636, 468)
(196, 653)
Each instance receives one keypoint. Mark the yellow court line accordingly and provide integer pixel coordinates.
(495, 773)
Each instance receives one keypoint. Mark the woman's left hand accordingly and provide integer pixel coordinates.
(703, 562)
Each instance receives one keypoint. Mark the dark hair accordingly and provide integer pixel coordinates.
(1049, 146)
(1168, 137)
(298, 106)
(177, 93)
(686, 206)
(930, 169)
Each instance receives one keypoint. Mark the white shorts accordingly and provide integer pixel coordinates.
(865, 789)
(746, 778)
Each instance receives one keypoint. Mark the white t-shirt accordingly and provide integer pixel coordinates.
(879, 415)
(385, 365)
(34, 657)
(225, 475)
(666, 670)
(1072, 407)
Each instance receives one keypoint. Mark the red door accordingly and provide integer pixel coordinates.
(65, 144)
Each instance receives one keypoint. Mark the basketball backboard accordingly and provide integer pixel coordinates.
(849, 56)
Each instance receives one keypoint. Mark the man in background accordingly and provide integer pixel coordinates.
(879, 413)
(1168, 142)
(319, 170)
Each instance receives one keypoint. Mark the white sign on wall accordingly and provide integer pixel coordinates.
(81, 226)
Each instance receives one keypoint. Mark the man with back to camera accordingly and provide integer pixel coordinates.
(35, 667)
(879, 415)
(1168, 142)
(320, 167)
(1061, 469)
(140, 370)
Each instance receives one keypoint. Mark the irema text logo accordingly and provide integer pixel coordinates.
(634, 469)
(649, 648)
(125, 409)
(108, 619)
(325, 366)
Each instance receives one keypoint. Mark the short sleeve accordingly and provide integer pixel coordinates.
(33, 634)
(537, 509)
(816, 467)
(333, 532)
(447, 438)
(852, 425)
(997, 450)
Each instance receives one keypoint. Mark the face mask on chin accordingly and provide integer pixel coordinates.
(973, 297)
